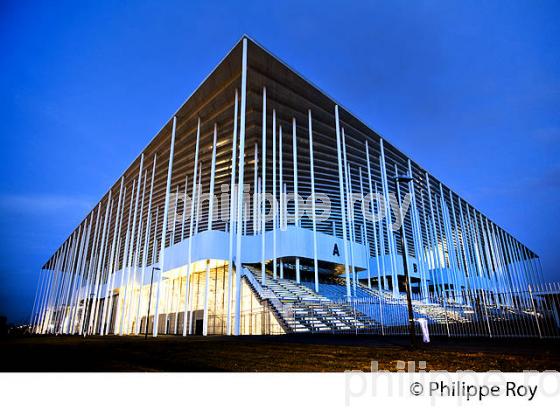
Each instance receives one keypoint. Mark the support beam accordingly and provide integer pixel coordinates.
(232, 212)
(191, 232)
(238, 262)
(342, 202)
(164, 228)
(313, 211)
(263, 191)
(274, 196)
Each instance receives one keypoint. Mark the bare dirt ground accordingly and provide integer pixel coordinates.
(293, 353)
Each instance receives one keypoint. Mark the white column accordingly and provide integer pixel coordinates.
(210, 220)
(206, 293)
(100, 263)
(417, 238)
(377, 255)
(134, 303)
(76, 259)
(66, 322)
(296, 202)
(342, 201)
(183, 217)
(115, 264)
(313, 215)
(80, 271)
(172, 237)
(232, 213)
(404, 239)
(263, 191)
(388, 219)
(295, 166)
(37, 293)
(145, 246)
(255, 190)
(274, 199)
(164, 228)
(238, 265)
(281, 215)
(111, 259)
(133, 247)
(198, 200)
(191, 227)
(350, 211)
(212, 179)
(382, 248)
(365, 241)
(90, 269)
(134, 244)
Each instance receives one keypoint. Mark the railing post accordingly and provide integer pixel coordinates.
(535, 312)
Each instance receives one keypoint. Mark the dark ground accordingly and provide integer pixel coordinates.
(293, 353)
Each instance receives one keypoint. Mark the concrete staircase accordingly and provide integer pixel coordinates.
(303, 310)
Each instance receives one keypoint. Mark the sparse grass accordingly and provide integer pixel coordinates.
(268, 354)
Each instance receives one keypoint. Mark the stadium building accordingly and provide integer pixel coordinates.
(312, 243)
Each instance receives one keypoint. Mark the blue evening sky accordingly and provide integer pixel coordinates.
(470, 90)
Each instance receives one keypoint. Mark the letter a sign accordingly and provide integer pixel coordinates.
(335, 251)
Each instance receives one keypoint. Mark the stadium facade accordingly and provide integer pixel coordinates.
(311, 243)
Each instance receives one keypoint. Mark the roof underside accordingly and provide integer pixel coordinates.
(291, 96)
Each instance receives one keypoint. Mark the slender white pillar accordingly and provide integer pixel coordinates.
(198, 200)
(436, 242)
(65, 322)
(382, 248)
(37, 292)
(137, 285)
(175, 203)
(232, 212)
(42, 292)
(154, 261)
(146, 246)
(191, 226)
(296, 202)
(206, 293)
(313, 213)
(210, 220)
(350, 211)
(164, 228)
(274, 199)
(417, 238)
(133, 247)
(255, 214)
(212, 179)
(377, 256)
(281, 215)
(183, 217)
(37, 328)
(365, 241)
(80, 271)
(99, 270)
(388, 221)
(108, 287)
(110, 310)
(342, 202)
(238, 264)
(90, 271)
(404, 238)
(263, 191)
(120, 303)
